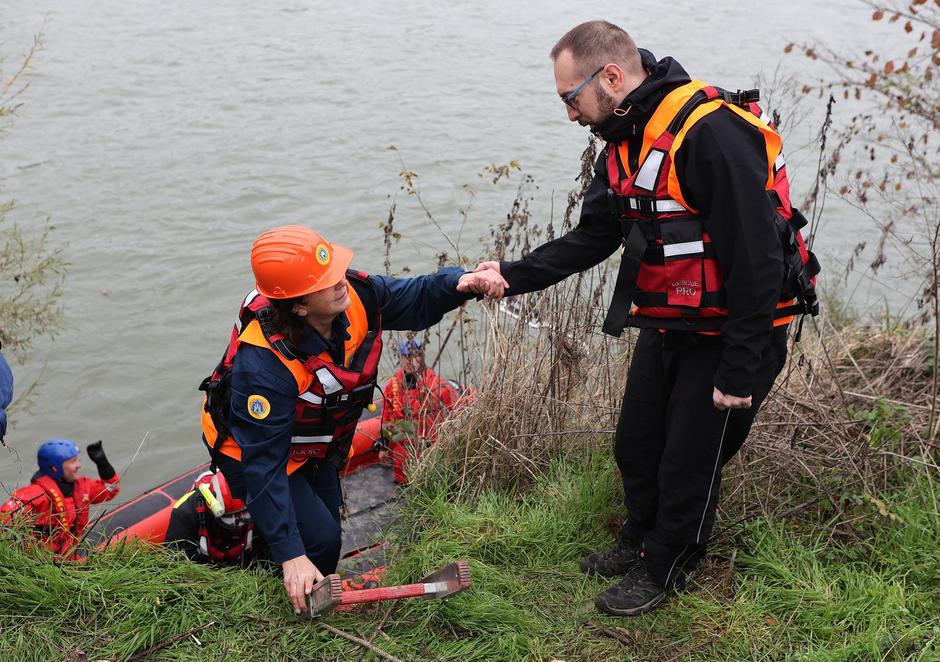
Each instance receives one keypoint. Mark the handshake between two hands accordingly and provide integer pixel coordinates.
(485, 279)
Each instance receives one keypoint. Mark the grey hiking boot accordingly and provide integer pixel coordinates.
(617, 561)
(635, 594)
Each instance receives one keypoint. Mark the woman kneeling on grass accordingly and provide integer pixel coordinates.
(281, 407)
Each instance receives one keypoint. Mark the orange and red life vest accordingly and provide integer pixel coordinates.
(332, 397)
(426, 403)
(670, 277)
(61, 519)
(224, 546)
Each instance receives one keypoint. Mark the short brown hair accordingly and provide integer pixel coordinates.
(596, 43)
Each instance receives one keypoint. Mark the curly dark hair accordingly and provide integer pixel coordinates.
(284, 320)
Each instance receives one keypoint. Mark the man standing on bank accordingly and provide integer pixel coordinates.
(692, 183)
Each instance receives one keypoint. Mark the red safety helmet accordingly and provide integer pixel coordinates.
(293, 260)
(233, 513)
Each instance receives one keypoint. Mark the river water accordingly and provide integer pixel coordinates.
(160, 138)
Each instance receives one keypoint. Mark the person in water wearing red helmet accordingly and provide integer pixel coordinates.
(56, 503)
(209, 525)
(300, 367)
(416, 400)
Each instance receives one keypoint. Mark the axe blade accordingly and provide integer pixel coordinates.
(450, 579)
(325, 595)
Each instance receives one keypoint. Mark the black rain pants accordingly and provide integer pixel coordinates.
(671, 444)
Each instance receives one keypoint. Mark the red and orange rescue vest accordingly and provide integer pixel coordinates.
(222, 546)
(669, 276)
(332, 397)
(60, 519)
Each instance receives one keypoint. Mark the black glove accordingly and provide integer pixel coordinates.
(96, 455)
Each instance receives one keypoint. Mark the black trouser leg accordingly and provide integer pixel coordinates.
(696, 441)
(640, 436)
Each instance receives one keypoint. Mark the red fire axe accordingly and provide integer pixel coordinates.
(328, 593)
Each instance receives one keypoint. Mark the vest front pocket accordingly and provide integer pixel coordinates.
(683, 252)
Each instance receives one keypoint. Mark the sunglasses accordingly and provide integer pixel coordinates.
(569, 98)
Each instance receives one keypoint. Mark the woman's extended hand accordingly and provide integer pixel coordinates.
(299, 577)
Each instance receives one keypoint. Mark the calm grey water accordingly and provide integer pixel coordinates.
(160, 138)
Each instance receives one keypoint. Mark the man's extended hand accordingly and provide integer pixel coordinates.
(490, 264)
(723, 401)
(483, 281)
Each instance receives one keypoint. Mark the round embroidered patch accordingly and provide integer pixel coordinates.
(323, 254)
(258, 406)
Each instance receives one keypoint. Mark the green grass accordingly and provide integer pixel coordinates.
(792, 594)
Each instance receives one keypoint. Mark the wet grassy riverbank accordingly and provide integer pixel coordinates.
(771, 589)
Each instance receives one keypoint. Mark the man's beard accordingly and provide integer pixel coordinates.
(605, 106)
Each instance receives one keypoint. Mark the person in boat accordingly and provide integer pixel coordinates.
(416, 401)
(281, 407)
(210, 525)
(692, 183)
(56, 503)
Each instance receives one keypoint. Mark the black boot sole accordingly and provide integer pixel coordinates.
(601, 604)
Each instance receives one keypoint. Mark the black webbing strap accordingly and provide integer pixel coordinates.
(799, 308)
(740, 97)
(619, 311)
(678, 121)
(621, 204)
(286, 349)
(661, 300)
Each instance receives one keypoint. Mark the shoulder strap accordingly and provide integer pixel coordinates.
(56, 499)
(625, 289)
(365, 291)
(276, 340)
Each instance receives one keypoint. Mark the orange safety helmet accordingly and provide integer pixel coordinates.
(293, 260)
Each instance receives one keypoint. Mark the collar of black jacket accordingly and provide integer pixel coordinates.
(664, 76)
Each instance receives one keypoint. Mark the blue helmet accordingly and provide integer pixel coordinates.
(410, 347)
(53, 453)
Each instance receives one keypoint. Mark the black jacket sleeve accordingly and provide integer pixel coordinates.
(595, 238)
(722, 164)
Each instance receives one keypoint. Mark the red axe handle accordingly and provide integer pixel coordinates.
(384, 593)
(328, 593)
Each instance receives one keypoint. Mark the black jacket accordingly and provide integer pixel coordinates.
(722, 166)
